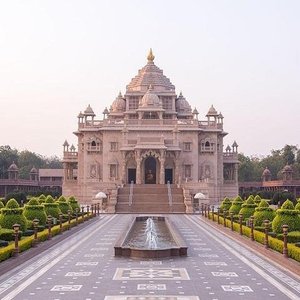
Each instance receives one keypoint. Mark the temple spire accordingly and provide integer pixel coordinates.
(150, 56)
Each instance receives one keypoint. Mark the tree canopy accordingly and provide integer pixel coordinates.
(251, 168)
(25, 160)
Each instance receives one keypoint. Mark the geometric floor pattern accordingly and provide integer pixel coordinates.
(84, 267)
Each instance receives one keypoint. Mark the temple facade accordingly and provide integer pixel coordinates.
(150, 135)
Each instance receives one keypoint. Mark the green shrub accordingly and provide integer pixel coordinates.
(51, 207)
(42, 199)
(33, 210)
(263, 212)
(7, 234)
(74, 204)
(225, 204)
(236, 205)
(1, 205)
(297, 206)
(257, 199)
(292, 237)
(64, 206)
(12, 214)
(248, 208)
(287, 215)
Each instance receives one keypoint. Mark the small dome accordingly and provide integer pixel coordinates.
(150, 99)
(235, 144)
(228, 148)
(220, 116)
(72, 148)
(182, 106)
(195, 111)
(89, 111)
(13, 167)
(33, 170)
(66, 144)
(105, 111)
(212, 112)
(266, 172)
(80, 115)
(287, 169)
(119, 104)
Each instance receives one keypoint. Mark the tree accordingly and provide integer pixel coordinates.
(288, 154)
(7, 157)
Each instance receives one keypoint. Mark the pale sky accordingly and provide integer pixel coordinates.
(58, 56)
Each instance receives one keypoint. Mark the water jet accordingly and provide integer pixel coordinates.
(150, 237)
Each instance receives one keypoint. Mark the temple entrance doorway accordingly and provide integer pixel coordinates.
(150, 170)
(131, 175)
(168, 176)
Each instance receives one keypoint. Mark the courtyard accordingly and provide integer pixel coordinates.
(218, 266)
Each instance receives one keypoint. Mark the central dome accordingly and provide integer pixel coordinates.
(150, 74)
(150, 99)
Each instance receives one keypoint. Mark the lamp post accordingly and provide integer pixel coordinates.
(69, 219)
(60, 216)
(266, 223)
(35, 228)
(16, 228)
(252, 228)
(49, 223)
(76, 214)
(224, 217)
(241, 223)
(218, 215)
(231, 220)
(285, 229)
(82, 213)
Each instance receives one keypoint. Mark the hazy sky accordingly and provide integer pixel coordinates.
(56, 57)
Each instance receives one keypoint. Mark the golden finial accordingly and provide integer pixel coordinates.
(150, 56)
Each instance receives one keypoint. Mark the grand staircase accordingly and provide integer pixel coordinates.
(150, 198)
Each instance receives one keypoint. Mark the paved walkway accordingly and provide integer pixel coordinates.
(84, 267)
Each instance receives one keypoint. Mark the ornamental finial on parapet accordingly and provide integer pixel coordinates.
(150, 56)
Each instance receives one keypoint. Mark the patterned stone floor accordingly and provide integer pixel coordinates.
(84, 267)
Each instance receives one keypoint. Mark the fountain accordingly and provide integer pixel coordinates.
(150, 237)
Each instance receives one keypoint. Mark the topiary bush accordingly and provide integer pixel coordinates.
(42, 199)
(12, 214)
(263, 212)
(297, 206)
(51, 207)
(64, 205)
(225, 204)
(248, 208)
(34, 210)
(74, 204)
(1, 206)
(257, 199)
(236, 205)
(286, 215)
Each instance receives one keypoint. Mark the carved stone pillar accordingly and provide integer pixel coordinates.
(162, 167)
(123, 167)
(138, 167)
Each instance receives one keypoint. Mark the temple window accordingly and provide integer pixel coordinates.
(187, 171)
(133, 103)
(187, 146)
(206, 146)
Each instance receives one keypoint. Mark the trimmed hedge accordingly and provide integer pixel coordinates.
(248, 208)
(263, 212)
(12, 214)
(64, 206)
(274, 243)
(33, 210)
(74, 204)
(225, 204)
(26, 243)
(292, 237)
(51, 207)
(236, 205)
(287, 215)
